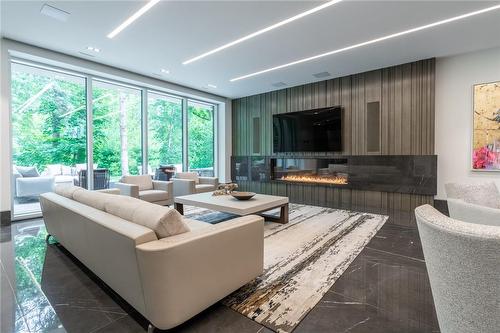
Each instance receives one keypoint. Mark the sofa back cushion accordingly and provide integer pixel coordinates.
(163, 221)
(483, 194)
(93, 199)
(144, 181)
(188, 175)
(28, 171)
(67, 191)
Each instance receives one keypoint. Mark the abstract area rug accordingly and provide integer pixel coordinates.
(302, 260)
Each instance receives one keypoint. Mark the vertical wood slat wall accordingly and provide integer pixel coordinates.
(406, 96)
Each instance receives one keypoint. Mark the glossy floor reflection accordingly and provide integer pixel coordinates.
(45, 289)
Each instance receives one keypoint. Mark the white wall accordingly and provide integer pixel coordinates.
(4, 129)
(9, 48)
(455, 77)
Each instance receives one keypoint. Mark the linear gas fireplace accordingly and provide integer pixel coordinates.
(409, 174)
(309, 170)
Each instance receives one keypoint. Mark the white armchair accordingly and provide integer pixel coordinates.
(144, 188)
(462, 262)
(475, 203)
(190, 183)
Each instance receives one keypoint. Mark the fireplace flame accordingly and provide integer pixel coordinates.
(337, 180)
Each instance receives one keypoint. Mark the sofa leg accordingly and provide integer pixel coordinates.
(151, 328)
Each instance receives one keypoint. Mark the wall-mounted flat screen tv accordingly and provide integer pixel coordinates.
(318, 130)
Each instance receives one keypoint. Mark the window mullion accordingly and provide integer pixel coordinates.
(185, 165)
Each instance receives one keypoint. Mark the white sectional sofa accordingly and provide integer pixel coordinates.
(30, 184)
(169, 268)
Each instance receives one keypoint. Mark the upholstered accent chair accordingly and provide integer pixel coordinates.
(190, 183)
(145, 188)
(475, 203)
(462, 260)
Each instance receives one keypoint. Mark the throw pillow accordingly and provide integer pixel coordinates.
(162, 220)
(28, 171)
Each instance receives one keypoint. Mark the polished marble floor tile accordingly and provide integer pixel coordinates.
(398, 240)
(337, 313)
(45, 289)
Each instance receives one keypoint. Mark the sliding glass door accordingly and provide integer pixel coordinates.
(200, 149)
(117, 141)
(164, 132)
(49, 117)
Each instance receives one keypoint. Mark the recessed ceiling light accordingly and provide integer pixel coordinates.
(212, 86)
(132, 18)
(55, 13)
(165, 71)
(261, 31)
(372, 41)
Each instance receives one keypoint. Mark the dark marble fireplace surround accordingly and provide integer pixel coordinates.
(410, 174)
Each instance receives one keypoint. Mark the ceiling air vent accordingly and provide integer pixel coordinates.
(321, 75)
(54, 13)
(279, 84)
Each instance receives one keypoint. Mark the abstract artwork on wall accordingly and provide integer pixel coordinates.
(486, 127)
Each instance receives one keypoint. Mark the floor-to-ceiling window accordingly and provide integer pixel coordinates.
(117, 141)
(164, 131)
(49, 138)
(200, 124)
(51, 133)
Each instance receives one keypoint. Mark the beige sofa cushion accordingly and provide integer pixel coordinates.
(163, 221)
(122, 206)
(93, 199)
(153, 195)
(188, 175)
(144, 181)
(67, 191)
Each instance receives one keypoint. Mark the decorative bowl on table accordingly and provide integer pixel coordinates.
(242, 195)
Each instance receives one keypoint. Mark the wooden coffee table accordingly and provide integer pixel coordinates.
(259, 204)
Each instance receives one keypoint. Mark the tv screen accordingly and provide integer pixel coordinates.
(318, 130)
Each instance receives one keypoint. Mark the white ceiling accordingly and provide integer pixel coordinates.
(174, 31)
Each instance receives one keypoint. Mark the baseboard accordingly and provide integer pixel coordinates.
(5, 218)
(442, 206)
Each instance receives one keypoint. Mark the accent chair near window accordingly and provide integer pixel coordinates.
(186, 183)
(145, 188)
